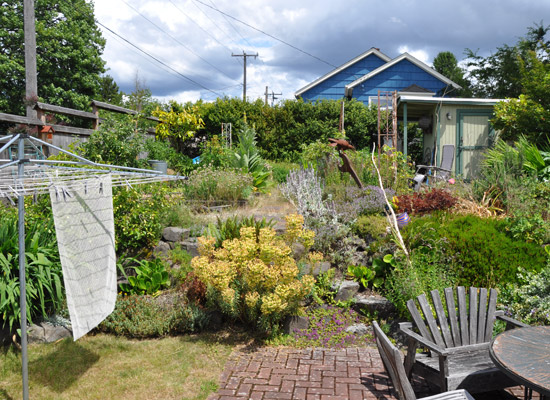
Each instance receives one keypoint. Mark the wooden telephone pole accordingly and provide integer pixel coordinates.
(244, 55)
(31, 85)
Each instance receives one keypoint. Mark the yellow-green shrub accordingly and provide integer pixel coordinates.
(254, 278)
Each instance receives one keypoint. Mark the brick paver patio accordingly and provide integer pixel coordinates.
(312, 374)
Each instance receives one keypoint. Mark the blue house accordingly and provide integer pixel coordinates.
(364, 76)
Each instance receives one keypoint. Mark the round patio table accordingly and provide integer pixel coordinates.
(524, 355)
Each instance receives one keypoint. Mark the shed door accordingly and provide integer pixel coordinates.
(475, 134)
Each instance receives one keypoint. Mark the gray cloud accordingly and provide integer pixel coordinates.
(332, 31)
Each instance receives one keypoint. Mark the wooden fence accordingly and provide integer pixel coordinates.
(63, 135)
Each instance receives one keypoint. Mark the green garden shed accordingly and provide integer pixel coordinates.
(462, 122)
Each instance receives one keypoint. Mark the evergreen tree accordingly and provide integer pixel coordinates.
(446, 64)
(68, 52)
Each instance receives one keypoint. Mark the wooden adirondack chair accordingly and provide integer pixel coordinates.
(458, 340)
(391, 357)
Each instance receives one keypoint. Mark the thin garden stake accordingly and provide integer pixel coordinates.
(391, 215)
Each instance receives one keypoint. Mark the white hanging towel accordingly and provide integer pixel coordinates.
(85, 229)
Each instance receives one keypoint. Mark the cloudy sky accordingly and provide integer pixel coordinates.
(183, 49)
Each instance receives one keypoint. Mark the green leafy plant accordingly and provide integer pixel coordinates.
(151, 277)
(529, 300)
(158, 149)
(43, 271)
(115, 142)
(362, 274)
(247, 158)
(323, 291)
(210, 186)
(178, 124)
(230, 228)
(137, 316)
(138, 216)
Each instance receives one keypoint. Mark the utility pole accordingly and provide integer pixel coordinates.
(244, 55)
(31, 85)
(272, 95)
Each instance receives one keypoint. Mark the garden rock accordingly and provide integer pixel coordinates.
(175, 234)
(374, 304)
(294, 323)
(346, 290)
(320, 268)
(280, 227)
(162, 248)
(298, 250)
(191, 246)
(358, 329)
(47, 333)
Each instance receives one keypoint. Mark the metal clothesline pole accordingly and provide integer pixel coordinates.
(22, 270)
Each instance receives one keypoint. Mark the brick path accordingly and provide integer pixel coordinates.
(304, 374)
(312, 374)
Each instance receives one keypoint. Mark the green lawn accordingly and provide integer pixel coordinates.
(108, 367)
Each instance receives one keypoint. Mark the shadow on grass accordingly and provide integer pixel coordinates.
(5, 395)
(63, 366)
(238, 337)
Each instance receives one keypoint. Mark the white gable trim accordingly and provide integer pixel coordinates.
(404, 56)
(343, 67)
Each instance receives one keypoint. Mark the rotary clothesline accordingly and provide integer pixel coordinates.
(81, 197)
(38, 179)
(39, 175)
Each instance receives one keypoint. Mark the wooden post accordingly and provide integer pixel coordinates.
(95, 123)
(31, 84)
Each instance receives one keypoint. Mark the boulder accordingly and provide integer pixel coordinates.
(346, 290)
(374, 304)
(294, 323)
(320, 268)
(191, 246)
(298, 251)
(162, 248)
(174, 234)
(47, 333)
(358, 329)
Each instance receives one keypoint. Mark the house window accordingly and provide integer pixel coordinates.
(385, 102)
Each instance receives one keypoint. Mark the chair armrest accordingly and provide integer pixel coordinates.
(405, 327)
(510, 322)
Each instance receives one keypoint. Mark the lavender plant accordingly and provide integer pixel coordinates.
(303, 188)
(366, 201)
(327, 328)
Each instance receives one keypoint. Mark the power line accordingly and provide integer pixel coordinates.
(157, 60)
(176, 40)
(267, 34)
(198, 25)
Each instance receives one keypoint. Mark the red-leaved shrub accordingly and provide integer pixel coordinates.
(422, 203)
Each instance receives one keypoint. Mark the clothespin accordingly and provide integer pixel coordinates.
(66, 194)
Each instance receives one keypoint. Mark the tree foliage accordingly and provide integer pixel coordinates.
(498, 75)
(68, 52)
(446, 64)
(529, 114)
(282, 129)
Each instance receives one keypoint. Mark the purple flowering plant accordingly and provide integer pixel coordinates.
(327, 328)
